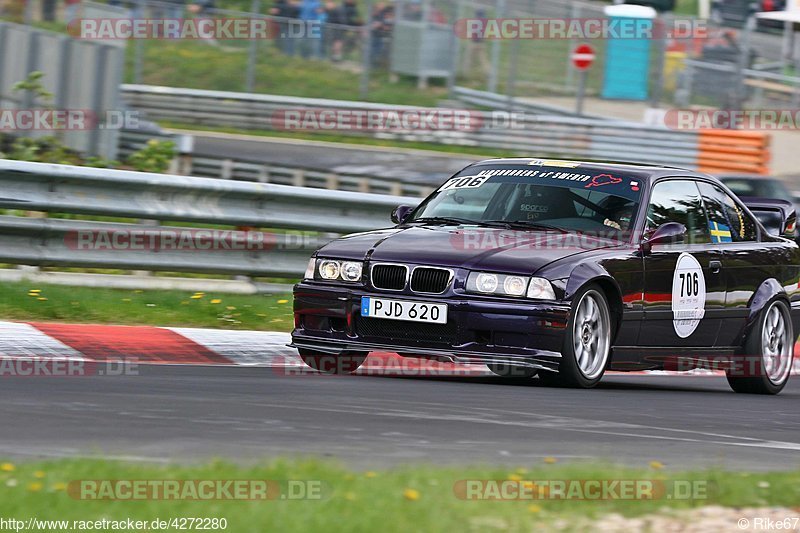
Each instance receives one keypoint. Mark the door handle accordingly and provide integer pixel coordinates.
(715, 266)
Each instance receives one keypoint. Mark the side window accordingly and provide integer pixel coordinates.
(728, 222)
(679, 201)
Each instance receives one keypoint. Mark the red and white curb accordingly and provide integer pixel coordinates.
(194, 346)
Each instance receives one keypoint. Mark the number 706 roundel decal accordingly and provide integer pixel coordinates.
(688, 295)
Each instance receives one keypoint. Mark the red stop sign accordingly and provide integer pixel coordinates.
(582, 57)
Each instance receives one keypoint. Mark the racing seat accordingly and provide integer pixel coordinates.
(537, 202)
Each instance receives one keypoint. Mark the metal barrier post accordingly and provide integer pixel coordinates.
(255, 8)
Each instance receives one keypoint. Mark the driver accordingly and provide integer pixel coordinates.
(620, 214)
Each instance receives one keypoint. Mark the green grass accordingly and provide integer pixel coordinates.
(198, 65)
(134, 307)
(413, 498)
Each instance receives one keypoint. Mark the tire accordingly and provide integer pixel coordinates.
(768, 353)
(345, 363)
(511, 371)
(587, 342)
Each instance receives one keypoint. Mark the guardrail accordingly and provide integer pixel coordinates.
(261, 172)
(498, 101)
(60, 189)
(533, 134)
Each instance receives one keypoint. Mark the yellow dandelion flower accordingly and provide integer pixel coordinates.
(349, 496)
(60, 486)
(39, 474)
(196, 296)
(522, 471)
(411, 495)
(656, 465)
(34, 290)
(7, 467)
(550, 460)
(370, 474)
(35, 487)
(216, 301)
(533, 508)
(514, 477)
(42, 299)
(283, 301)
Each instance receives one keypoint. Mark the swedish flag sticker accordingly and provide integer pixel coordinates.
(720, 233)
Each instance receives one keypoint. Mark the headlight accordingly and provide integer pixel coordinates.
(486, 282)
(351, 271)
(541, 289)
(510, 285)
(331, 269)
(515, 285)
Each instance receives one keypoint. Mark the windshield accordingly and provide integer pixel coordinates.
(536, 197)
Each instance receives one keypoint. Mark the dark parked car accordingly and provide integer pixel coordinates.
(562, 269)
(762, 187)
(735, 13)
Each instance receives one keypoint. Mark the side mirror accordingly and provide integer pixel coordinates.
(669, 233)
(400, 213)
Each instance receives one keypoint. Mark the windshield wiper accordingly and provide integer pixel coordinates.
(524, 224)
(444, 220)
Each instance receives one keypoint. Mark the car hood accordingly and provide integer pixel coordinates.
(474, 248)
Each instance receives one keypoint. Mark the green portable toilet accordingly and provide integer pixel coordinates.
(627, 64)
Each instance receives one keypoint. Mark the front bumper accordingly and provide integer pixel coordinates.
(479, 329)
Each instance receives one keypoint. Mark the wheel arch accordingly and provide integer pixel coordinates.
(589, 273)
(769, 290)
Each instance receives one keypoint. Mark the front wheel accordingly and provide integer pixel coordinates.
(768, 353)
(587, 342)
(345, 363)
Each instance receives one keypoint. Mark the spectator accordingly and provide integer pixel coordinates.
(350, 13)
(351, 18)
(333, 33)
(287, 12)
(49, 10)
(475, 60)
(313, 16)
(382, 26)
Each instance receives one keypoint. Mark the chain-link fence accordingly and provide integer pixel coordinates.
(360, 48)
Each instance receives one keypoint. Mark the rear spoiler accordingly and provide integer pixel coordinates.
(777, 216)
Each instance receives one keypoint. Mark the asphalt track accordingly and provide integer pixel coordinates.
(179, 413)
(410, 166)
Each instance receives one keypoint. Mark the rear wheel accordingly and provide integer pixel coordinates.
(345, 363)
(511, 371)
(587, 342)
(768, 353)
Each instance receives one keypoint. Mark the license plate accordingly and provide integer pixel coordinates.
(402, 310)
